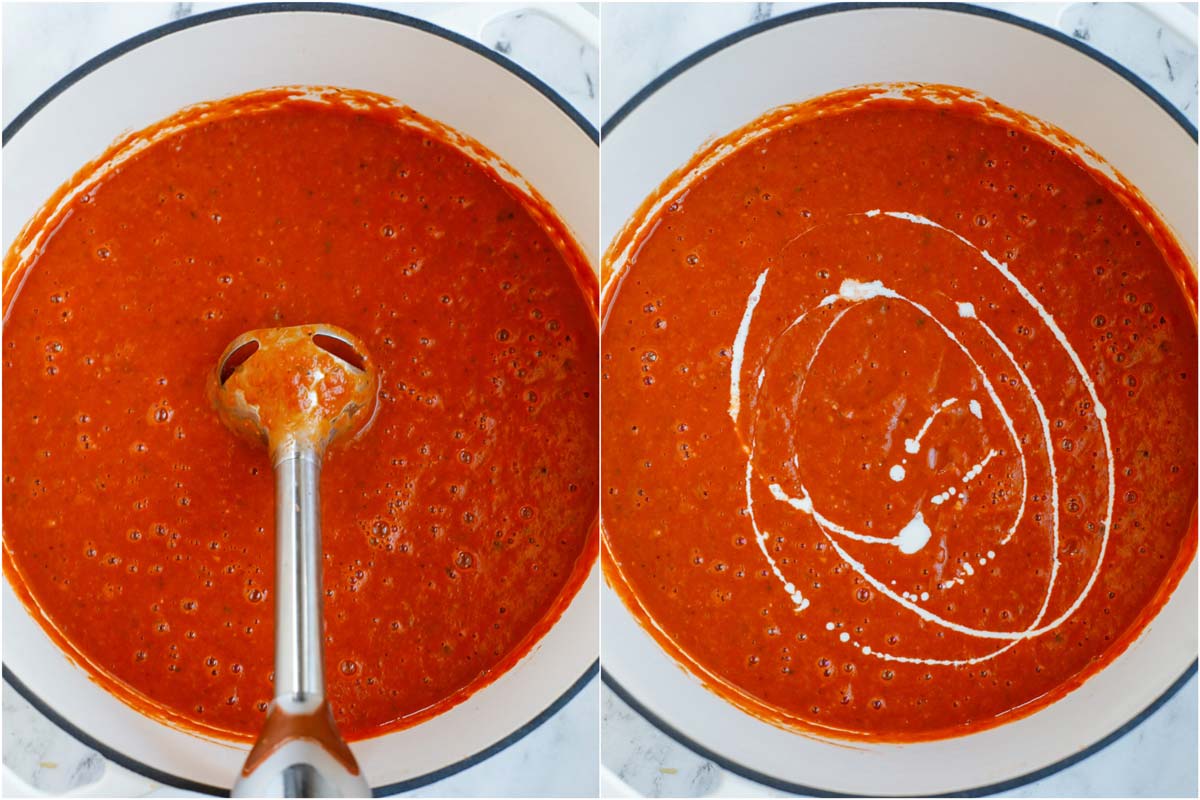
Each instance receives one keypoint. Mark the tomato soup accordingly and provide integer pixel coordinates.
(899, 414)
(139, 530)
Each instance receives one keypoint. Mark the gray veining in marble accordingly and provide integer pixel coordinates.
(1156, 54)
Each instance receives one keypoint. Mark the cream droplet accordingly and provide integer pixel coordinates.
(913, 536)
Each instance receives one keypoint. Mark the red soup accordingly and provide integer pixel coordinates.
(899, 416)
(139, 530)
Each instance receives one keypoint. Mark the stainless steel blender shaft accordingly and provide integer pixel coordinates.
(299, 637)
(302, 754)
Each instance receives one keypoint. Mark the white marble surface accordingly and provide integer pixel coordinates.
(43, 42)
(1158, 758)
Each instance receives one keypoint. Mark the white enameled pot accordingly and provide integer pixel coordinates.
(1024, 66)
(443, 76)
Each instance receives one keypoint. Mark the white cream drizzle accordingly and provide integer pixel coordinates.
(739, 348)
(857, 291)
(913, 445)
(913, 536)
(975, 471)
(760, 537)
(909, 539)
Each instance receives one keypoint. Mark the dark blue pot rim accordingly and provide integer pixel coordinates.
(835, 8)
(273, 8)
(113, 53)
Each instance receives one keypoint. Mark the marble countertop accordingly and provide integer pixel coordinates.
(43, 42)
(1156, 759)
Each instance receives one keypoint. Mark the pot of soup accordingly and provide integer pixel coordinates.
(265, 167)
(899, 400)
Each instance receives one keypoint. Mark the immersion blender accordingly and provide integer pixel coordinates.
(297, 390)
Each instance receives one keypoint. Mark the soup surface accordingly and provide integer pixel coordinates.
(899, 415)
(456, 528)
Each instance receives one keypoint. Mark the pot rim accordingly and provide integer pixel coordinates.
(118, 50)
(756, 28)
(609, 125)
